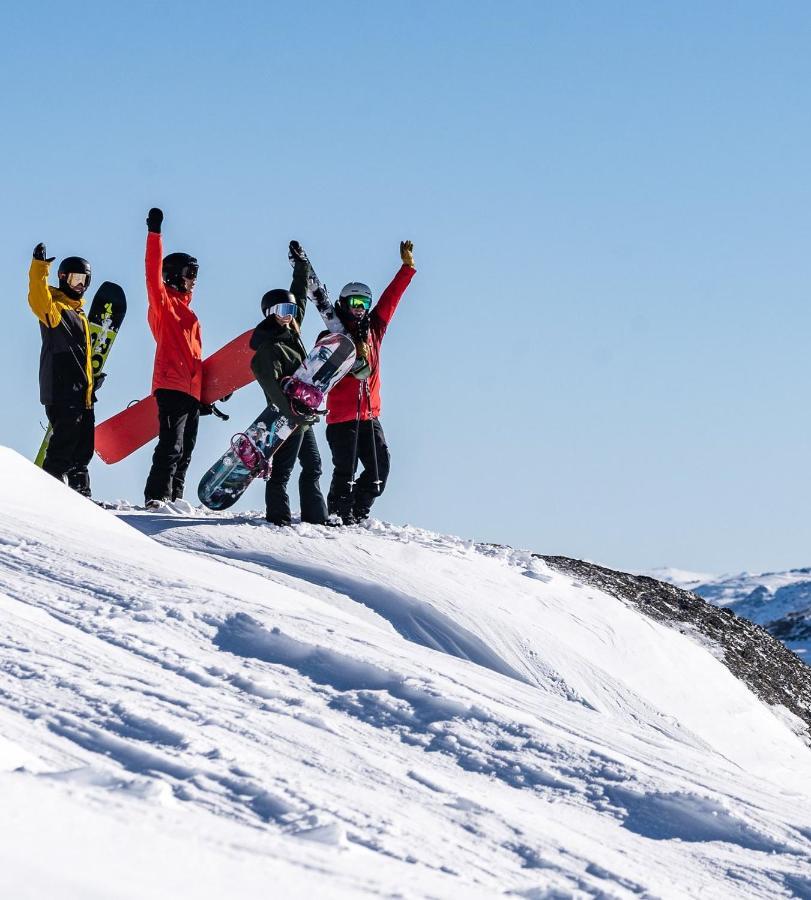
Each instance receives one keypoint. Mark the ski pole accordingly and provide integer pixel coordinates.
(377, 482)
(357, 432)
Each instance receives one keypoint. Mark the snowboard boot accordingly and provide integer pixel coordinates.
(79, 480)
(279, 523)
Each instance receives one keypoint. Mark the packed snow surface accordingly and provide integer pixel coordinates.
(208, 706)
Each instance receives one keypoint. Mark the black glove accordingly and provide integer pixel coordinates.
(154, 220)
(209, 409)
(302, 415)
(39, 253)
(296, 253)
(98, 380)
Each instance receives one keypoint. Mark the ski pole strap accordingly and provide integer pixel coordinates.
(219, 413)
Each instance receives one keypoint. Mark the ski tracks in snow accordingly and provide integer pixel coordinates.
(198, 689)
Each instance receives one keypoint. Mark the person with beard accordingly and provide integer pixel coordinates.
(66, 383)
(354, 432)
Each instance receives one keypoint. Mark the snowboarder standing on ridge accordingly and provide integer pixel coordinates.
(279, 353)
(354, 431)
(66, 383)
(177, 377)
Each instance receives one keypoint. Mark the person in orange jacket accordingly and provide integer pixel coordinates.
(177, 377)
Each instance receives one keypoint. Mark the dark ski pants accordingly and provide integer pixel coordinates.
(178, 416)
(304, 447)
(71, 446)
(342, 500)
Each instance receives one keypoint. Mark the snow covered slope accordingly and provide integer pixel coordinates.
(214, 707)
(779, 601)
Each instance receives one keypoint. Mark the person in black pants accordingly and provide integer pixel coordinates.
(66, 381)
(177, 375)
(354, 505)
(303, 446)
(353, 405)
(178, 419)
(279, 352)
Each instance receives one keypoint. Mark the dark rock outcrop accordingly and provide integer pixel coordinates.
(768, 668)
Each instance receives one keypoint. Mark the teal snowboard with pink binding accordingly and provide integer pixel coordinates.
(251, 452)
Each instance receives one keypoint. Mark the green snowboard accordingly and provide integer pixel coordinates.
(104, 320)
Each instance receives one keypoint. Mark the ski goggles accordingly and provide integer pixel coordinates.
(189, 271)
(358, 301)
(76, 279)
(283, 309)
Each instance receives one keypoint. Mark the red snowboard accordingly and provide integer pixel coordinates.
(225, 371)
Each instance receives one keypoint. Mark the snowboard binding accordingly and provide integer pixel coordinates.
(303, 394)
(250, 455)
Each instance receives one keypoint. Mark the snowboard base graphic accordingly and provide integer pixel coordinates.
(224, 372)
(251, 452)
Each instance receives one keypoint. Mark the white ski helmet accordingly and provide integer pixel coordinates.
(353, 289)
(356, 289)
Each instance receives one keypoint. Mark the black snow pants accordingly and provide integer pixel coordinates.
(304, 447)
(71, 446)
(354, 505)
(179, 416)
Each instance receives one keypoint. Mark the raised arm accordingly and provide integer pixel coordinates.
(301, 273)
(387, 304)
(40, 298)
(315, 291)
(155, 291)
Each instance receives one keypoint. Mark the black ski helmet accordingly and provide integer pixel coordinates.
(177, 266)
(73, 265)
(277, 295)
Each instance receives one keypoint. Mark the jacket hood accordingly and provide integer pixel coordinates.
(269, 330)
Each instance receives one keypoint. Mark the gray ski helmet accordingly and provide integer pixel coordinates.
(274, 297)
(73, 265)
(353, 289)
(177, 266)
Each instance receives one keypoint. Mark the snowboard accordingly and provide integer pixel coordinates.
(227, 480)
(318, 296)
(224, 372)
(104, 320)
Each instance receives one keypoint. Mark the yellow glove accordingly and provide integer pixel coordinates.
(407, 253)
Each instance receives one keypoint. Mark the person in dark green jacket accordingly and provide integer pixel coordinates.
(279, 352)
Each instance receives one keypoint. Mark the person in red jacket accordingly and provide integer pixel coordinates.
(177, 377)
(354, 431)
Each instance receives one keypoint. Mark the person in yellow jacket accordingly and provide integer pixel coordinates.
(65, 368)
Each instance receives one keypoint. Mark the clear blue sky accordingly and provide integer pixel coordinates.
(604, 352)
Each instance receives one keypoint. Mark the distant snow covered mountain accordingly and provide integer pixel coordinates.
(779, 601)
(209, 706)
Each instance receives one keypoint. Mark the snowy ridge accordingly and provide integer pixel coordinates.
(194, 705)
(779, 601)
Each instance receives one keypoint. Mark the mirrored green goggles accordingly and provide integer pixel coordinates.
(358, 302)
